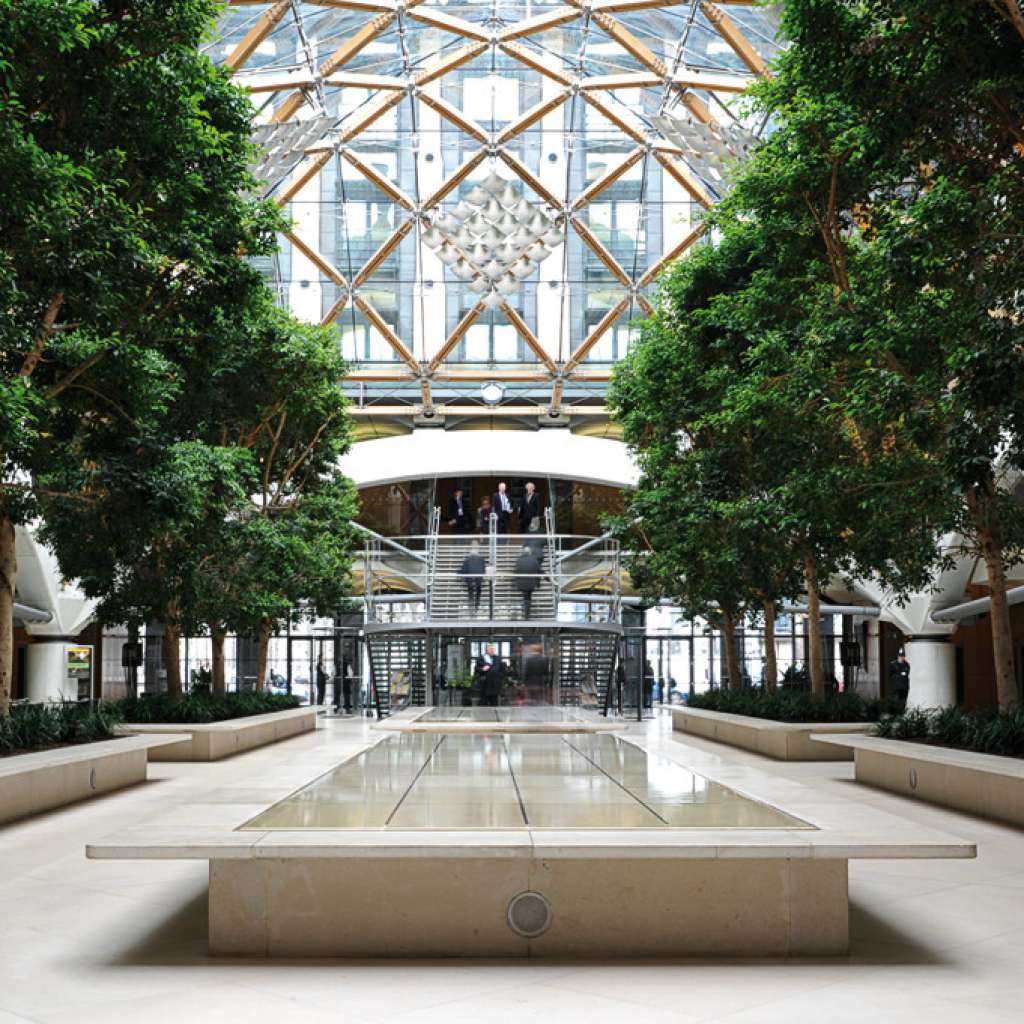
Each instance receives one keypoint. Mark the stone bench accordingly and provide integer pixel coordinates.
(984, 784)
(785, 741)
(45, 779)
(212, 741)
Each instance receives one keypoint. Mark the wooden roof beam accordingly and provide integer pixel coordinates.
(531, 339)
(451, 23)
(373, 175)
(454, 116)
(530, 178)
(455, 179)
(311, 170)
(442, 65)
(530, 117)
(630, 43)
(673, 254)
(371, 266)
(730, 32)
(683, 176)
(264, 25)
(387, 332)
(599, 331)
(596, 246)
(538, 63)
(539, 23)
(356, 42)
(320, 262)
(456, 336)
(596, 187)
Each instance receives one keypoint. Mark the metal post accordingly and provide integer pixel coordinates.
(492, 541)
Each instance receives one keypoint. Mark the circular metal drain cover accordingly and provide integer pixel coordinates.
(529, 914)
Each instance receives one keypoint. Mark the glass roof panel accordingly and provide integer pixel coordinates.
(558, 108)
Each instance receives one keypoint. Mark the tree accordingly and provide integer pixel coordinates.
(727, 400)
(901, 162)
(289, 552)
(123, 193)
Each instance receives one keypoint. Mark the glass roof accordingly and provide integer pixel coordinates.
(486, 191)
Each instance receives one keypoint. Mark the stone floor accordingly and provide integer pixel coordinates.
(120, 941)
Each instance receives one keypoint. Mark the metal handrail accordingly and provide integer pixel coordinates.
(578, 551)
(392, 543)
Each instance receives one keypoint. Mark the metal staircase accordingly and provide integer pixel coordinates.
(499, 600)
(586, 665)
(397, 672)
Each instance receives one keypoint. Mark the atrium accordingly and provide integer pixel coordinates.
(513, 509)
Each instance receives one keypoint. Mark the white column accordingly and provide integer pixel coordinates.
(45, 678)
(932, 672)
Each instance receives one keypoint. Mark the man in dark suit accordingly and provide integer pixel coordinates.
(501, 505)
(472, 572)
(459, 518)
(526, 578)
(529, 511)
(489, 675)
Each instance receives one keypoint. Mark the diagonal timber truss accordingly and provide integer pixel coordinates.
(618, 62)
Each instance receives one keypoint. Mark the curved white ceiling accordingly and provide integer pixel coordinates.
(518, 453)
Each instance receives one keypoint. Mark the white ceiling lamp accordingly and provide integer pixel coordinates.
(553, 237)
(447, 254)
(494, 183)
(507, 285)
(477, 196)
(431, 238)
(479, 284)
(493, 300)
(463, 211)
(492, 392)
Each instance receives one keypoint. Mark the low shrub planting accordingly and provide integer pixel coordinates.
(38, 726)
(983, 730)
(198, 707)
(793, 705)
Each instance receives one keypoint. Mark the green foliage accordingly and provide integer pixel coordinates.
(200, 707)
(36, 726)
(984, 730)
(793, 706)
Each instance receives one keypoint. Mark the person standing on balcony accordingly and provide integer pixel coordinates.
(458, 513)
(472, 571)
(529, 511)
(502, 505)
(483, 516)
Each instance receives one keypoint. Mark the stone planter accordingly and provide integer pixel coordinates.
(785, 741)
(984, 784)
(40, 781)
(216, 740)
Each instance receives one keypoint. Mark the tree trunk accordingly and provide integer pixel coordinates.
(990, 540)
(171, 651)
(8, 576)
(732, 663)
(218, 634)
(261, 656)
(815, 669)
(771, 662)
